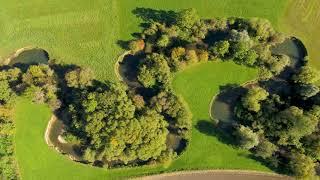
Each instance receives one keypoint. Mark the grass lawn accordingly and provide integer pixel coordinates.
(86, 33)
(302, 19)
(207, 148)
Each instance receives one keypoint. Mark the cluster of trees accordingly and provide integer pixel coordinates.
(8, 168)
(116, 126)
(283, 129)
(188, 39)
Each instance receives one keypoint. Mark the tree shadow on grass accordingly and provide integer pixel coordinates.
(149, 15)
(208, 128)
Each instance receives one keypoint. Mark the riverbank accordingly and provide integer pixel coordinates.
(54, 139)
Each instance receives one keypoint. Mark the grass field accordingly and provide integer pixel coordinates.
(207, 147)
(302, 19)
(86, 33)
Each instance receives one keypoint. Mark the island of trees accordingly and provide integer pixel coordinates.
(114, 124)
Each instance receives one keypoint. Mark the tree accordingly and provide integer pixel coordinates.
(265, 148)
(154, 70)
(203, 55)
(187, 18)
(291, 124)
(311, 145)
(39, 75)
(261, 28)
(79, 78)
(220, 48)
(136, 45)
(253, 97)
(5, 92)
(306, 75)
(246, 137)
(301, 165)
(240, 51)
(138, 101)
(178, 52)
(163, 41)
(173, 107)
(191, 56)
(307, 90)
(277, 64)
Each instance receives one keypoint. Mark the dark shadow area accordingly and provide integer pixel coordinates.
(277, 86)
(215, 36)
(123, 44)
(224, 103)
(208, 128)
(149, 15)
(128, 70)
(296, 51)
(267, 164)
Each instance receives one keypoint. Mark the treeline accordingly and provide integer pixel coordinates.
(283, 128)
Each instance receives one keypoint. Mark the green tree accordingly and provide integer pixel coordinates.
(265, 148)
(301, 165)
(220, 48)
(277, 64)
(246, 137)
(295, 125)
(307, 75)
(166, 102)
(253, 97)
(39, 75)
(5, 91)
(154, 70)
(163, 41)
(136, 45)
(187, 18)
(307, 90)
(79, 78)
